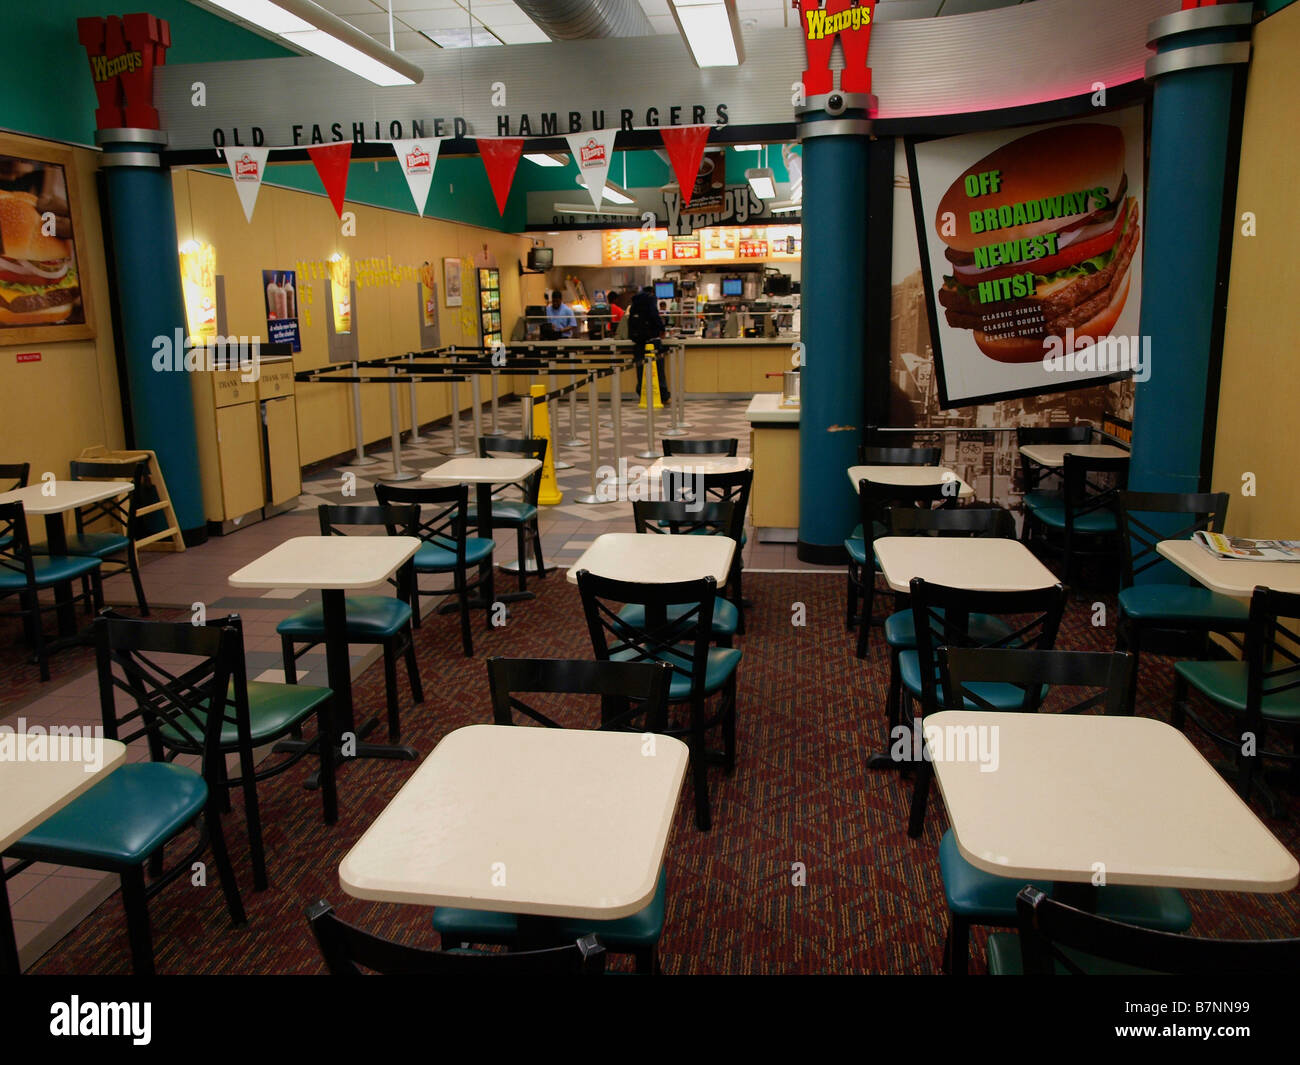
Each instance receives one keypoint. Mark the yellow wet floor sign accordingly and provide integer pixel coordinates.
(650, 371)
(550, 493)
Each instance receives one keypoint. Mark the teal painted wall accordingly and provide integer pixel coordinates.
(45, 86)
(1272, 7)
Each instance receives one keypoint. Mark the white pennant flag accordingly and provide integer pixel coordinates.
(593, 152)
(417, 157)
(247, 167)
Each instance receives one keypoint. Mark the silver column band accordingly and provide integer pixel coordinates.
(1197, 56)
(1199, 18)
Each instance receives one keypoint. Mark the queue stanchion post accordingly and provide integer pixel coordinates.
(680, 396)
(574, 439)
(477, 402)
(616, 417)
(395, 417)
(551, 420)
(495, 385)
(415, 407)
(677, 362)
(360, 458)
(594, 496)
(650, 397)
(457, 448)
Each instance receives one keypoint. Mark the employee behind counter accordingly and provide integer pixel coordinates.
(561, 323)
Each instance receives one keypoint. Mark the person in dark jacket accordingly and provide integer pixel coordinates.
(645, 326)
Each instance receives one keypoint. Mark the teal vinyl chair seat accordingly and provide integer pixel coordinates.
(273, 709)
(900, 628)
(1038, 500)
(857, 550)
(49, 569)
(122, 819)
(505, 512)
(1001, 696)
(636, 931)
(726, 618)
(1224, 683)
(1095, 521)
(374, 617)
(435, 558)
(975, 894)
(1004, 960)
(718, 669)
(1181, 603)
(97, 545)
(878, 529)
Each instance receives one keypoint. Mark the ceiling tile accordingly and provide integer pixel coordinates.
(349, 7)
(374, 22)
(529, 34)
(450, 18)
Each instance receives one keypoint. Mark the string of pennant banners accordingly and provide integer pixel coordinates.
(417, 156)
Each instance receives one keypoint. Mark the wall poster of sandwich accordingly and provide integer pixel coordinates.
(42, 296)
(1032, 256)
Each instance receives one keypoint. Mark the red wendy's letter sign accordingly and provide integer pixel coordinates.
(123, 53)
(821, 25)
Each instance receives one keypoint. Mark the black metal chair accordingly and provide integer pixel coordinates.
(447, 549)
(682, 445)
(123, 822)
(1086, 521)
(679, 620)
(633, 696)
(371, 619)
(1093, 680)
(350, 951)
(943, 618)
(119, 513)
(25, 574)
(1059, 940)
(1253, 697)
(518, 514)
(1180, 605)
(731, 488)
(1041, 485)
(14, 475)
(877, 455)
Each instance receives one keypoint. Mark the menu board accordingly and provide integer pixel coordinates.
(720, 244)
(489, 300)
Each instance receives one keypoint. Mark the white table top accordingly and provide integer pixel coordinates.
(1237, 577)
(767, 407)
(482, 471)
(555, 822)
(328, 562)
(983, 564)
(911, 476)
(1070, 790)
(66, 495)
(655, 558)
(697, 464)
(1054, 454)
(30, 791)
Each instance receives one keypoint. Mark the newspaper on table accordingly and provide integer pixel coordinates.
(1250, 550)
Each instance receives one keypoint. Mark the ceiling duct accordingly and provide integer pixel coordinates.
(574, 20)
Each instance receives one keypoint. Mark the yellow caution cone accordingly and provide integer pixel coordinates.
(550, 493)
(650, 371)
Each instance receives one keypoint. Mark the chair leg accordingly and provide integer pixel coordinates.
(225, 871)
(647, 961)
(893, 701)
(286, 653)
(413, 670)
(851, 611)
(415, 600)
(957, 947)
(31, 604)
(864, 632)
(729, 727)
(462, 592)
(136, 904)
(1133, 639)
(133, 564)
(390, 690)
(97, 589)
(740, 596)
(325, 746)
(86, 597)
(1178, 711)
(920, 796)
(253, 816)
(521, 548)
(537, 550)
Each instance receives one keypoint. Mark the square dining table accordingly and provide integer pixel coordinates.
(977, 563)
(656, 558)
(33, 789)
(911, 477)
(1237, 577)
(548, 824)
(1052, 456)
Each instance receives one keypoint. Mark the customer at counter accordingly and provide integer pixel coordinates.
(560, 320)
(645, 326)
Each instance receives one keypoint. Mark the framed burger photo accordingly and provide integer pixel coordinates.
(1031, 254)
(43, 296)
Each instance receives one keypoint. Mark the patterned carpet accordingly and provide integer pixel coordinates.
(810, 714)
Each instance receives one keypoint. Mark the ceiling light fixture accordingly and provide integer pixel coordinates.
(311, 28)
(711, 30)
(784, 206)
(762, 181)
(588, 209)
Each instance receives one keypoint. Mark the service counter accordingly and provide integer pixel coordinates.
(774, 445)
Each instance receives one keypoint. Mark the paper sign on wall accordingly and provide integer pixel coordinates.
(417, 157)
(593, 152)
(248, 167)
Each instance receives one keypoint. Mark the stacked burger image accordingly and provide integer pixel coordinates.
(38, 271)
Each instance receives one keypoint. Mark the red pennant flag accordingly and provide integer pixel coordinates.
(500, 160)
(331, 162)
(685, 146)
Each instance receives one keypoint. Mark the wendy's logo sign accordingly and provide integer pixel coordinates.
(123, 52)
(851, 22)
(593, 153)
(246, 168)
(417, 161)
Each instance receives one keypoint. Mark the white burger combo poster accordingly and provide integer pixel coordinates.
(1031, 245)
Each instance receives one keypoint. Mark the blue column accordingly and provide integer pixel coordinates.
(142, 223)
(833, 313)
(1193, 74)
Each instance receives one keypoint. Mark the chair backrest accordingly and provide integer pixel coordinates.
(1084, 494)
(1050, 929)
(991, 522)
(1205, 511)
(941, 617)
(533, 447)
(15, 543)
(396, 520)
(686, 446)
(1110, 672)
(349, 951)
(898, 456)
(442, 510)
(713, 518)
(877, 501)
(627, 690)
(120, 510)
(1271, 658)
(1031, 472)
(731, 488)
(177, 708)
(686, 632)
(16, 472)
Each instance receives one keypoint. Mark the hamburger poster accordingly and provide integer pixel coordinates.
(1031, 245)
(41, 292)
